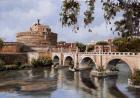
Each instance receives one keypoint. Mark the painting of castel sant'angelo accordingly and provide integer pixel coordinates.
(69, 49)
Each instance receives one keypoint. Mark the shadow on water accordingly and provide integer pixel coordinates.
(69, 75)
(112, 88)
(85, 77)
(134, 92)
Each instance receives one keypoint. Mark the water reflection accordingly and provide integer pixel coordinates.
(30, 74)
(85, 78)
(113, 89)
(62, 83)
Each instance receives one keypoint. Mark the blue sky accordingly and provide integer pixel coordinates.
(19, 15)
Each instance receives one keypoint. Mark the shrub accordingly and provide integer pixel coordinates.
(42, 62)
(100, 69)
(136, 77)
(90, 48)
(25, 66)
(127, 44)
(2, 63)
(18, 63)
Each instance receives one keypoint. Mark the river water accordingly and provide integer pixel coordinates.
(62, 83)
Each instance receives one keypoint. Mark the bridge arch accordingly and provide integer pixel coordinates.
(56, 59)
(87, 62)
(68, 61)
(113, 63)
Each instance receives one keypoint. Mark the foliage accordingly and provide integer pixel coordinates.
(136, 77)
(90, 48)
(18, 63)
(2, 63)
(81, 46)
(42, 62)
(100, 69)
(102, 43)
(1, 43)
(127, 26)
(25, 66)
(61, 42)
(70, 12)
(127, 44)
(89, 12)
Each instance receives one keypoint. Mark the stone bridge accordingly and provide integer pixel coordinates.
(99, 59)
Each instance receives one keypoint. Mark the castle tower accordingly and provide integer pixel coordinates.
(39, 35)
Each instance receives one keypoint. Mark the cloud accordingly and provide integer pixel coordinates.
(8, 33)
(40, 9)
(100, 32)
(17, 16)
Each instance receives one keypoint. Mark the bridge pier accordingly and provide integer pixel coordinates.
(76, 62)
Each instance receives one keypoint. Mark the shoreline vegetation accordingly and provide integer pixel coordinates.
(43, 62)
(135, 78)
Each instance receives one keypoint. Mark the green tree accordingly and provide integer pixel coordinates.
(61, 42)
(136, 77)
(90, 48)
(1, 43)
(42, 62)
(103, 44)
(81, 46)
(127, 26)
(127, 44)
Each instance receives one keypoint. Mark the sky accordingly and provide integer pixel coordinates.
(18, 15)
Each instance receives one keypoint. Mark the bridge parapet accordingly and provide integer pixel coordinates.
(69, 53)
(111, 53)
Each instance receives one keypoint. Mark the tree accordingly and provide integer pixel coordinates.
(90, 48)
(1, 43)
(81, 46)
(135, 78)
(61, 42)
(127, 44)
(103, 44)
(130, 9)
(42, 62)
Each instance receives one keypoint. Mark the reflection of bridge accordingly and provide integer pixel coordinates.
(100, 59)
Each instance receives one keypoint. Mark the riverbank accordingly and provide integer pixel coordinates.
(21, 67)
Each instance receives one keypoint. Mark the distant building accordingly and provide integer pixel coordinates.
(66, 45)
(106, 48)
(12, 47)
(39, 36)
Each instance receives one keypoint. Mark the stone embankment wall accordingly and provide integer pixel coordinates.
(11, 58)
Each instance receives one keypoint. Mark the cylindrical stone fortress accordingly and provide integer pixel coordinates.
(38, 36)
